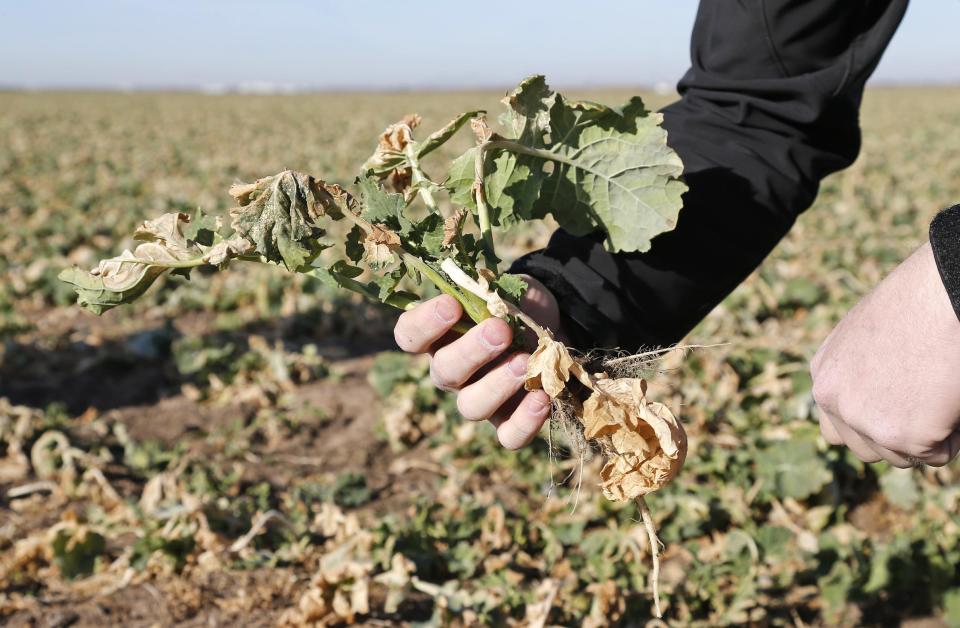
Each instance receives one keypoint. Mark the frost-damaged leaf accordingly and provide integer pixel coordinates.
(280, 215)
(124, 278)
(226, 250)
(378, 247)
(550, 366)
(527, 117)
(648, 444)
(439, 138)
(388, 160)
(452, 227)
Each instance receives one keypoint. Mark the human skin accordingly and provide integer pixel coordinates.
(887, 378)
(479, 366)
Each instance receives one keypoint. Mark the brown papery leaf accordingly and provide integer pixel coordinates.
(378, 246)
(227, 250)
(452, 225)
(647, 443)
(388, 160)
(551, 365)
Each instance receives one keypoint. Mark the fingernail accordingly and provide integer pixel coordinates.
(494, 335)
(518, 365)
(445, 310)
(535, 404)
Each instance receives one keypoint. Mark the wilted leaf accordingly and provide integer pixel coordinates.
(124, 278)
(550, 366)
(452, 226)
(648, 444)
(280, 215)
(388, 160)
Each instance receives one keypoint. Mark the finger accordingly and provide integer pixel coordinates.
(943, 453)
(525, 422)
(481, 399)
(829, 432)
(854, 441)
(896, 458)
(418, 328)
(453, 364)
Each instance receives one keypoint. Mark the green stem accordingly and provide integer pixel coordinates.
(475, 307)
(396, 300)
(540, 153)
(483, 211)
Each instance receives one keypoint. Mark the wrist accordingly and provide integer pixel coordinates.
(934, 298)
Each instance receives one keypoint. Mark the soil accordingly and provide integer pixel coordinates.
(73, 364)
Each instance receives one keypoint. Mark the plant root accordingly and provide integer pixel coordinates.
(654, 553)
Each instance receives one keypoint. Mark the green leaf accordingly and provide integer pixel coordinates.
(202, 228)
(591, 166)
(354, 244)
(76, 555)
(279, 215)
(333, 276)
(513, 286)
(439, 138)
(951, 608)
(380, 206)
(428, 235)
(792, 468)
(613, 171)
(512, 185)
(527, 117)
(387, 283)
(900, 488)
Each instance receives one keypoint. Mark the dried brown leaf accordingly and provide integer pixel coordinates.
(452, 226)
(551, 365)
(647, 445)
(388, 160)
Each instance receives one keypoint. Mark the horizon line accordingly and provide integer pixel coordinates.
(257, 87)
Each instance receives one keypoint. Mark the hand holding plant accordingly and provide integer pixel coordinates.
(594, 168)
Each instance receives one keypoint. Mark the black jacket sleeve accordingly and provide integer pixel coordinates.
(768, 108)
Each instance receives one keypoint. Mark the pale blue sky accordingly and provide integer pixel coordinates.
(374, 44)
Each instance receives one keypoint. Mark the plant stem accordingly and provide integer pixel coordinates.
(396, 300)
(483, 211)
(474, 306)
(472, 286)
(189, 263)
(419, 178)
(522, 149)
